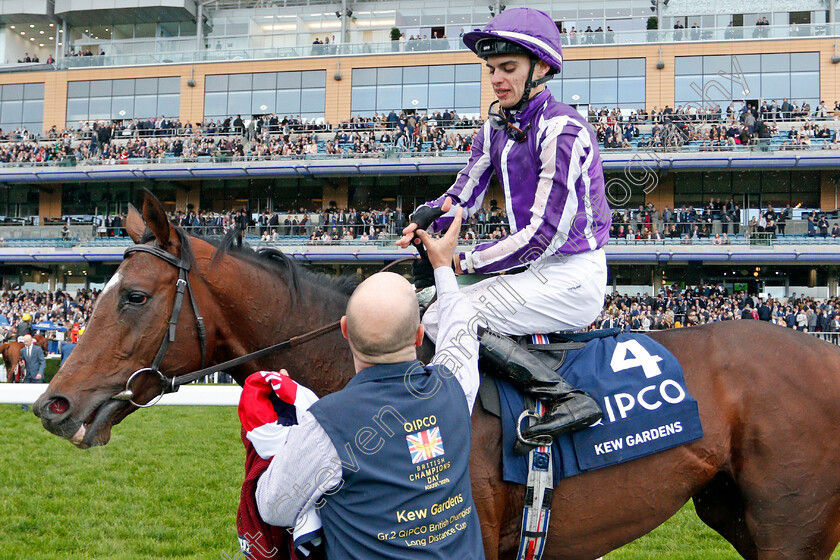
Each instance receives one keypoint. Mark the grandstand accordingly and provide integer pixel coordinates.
(309, 107)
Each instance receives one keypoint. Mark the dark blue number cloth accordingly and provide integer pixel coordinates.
(641, 389)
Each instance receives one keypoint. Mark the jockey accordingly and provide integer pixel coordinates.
(547, 161)
(24, 327)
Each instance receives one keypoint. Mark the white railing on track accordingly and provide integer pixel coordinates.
(831, 337)
(190, 395)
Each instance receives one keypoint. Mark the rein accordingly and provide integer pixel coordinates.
(172, 384)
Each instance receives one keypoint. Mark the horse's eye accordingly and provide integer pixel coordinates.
(137, 298)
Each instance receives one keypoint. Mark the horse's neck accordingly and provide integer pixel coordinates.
(256, 310)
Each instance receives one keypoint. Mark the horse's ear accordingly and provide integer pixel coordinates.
(134, 224)
(156, 220)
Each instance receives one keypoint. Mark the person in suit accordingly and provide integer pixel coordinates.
(66, 348)
(35, 361)
(764, 313)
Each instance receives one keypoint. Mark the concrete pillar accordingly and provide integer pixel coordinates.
(659, 193)
(657, 280)
(336, 190)
(49, 203)
(65, 37)
(829, 195)
(832, 284)
(188, 194)
(199, 28)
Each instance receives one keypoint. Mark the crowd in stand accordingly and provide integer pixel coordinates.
(690, 223)
(262, 137)
(670, 308)
(34, 58)
(272, 135)
(713, 128)
(58, 307)
(675, 308)
(334, 224)
(587, 36)
(707, 113)
(83, 52)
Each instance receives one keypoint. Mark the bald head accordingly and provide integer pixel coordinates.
(382, 320)
(27, 339)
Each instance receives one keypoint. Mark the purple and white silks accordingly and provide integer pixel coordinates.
(553, 184)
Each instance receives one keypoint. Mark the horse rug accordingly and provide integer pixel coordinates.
(640, 387)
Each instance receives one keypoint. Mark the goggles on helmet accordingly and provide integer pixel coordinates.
(492, 46)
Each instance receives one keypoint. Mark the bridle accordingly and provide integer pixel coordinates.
(182, 285)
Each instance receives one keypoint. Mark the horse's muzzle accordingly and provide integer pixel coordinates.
(54, 410)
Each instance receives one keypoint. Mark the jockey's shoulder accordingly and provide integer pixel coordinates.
(563, 114)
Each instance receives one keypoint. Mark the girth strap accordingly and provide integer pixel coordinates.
(538, 494)
(556, 346)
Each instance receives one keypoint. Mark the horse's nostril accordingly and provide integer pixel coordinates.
(59, 405)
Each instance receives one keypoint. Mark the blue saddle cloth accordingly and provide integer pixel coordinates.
(639, 385)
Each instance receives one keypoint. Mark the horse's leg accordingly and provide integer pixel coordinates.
(786, 451)
(486, 476)
(792, 519)
(720, 506)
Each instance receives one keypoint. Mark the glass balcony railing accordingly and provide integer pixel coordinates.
(169, 51)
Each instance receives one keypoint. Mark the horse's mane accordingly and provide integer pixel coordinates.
(291, 272)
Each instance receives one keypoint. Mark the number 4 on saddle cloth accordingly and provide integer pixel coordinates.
(639, 385)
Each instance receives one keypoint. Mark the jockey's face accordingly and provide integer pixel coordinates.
(508, 74)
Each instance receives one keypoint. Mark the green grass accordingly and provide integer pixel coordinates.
(167, 486)
(683, 537)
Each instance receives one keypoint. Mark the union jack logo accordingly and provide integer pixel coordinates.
(425, 445)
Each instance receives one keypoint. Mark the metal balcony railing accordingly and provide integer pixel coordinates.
(179, 50)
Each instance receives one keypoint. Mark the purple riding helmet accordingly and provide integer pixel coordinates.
(521, 31)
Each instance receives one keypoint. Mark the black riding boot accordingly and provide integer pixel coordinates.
(569, 409)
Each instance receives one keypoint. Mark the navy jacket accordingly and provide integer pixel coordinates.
(402, 432)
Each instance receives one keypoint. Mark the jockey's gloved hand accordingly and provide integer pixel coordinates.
(271, 402)
(424, 216)
(424, 274)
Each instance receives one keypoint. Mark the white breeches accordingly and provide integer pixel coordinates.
(560, 293)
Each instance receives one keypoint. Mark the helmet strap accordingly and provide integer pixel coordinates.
(530, 84)
(501, 119)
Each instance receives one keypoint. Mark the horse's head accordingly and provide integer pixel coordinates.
(126, 330)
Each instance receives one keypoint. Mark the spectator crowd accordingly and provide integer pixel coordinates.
(672, 307)
(58, 307)
(675, 308)
(272, 135)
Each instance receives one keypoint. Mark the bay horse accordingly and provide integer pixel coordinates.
(766, 474)
(11, 352)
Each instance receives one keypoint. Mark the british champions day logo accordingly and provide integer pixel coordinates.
(425, 445)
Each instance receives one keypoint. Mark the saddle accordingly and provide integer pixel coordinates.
(552, 350)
